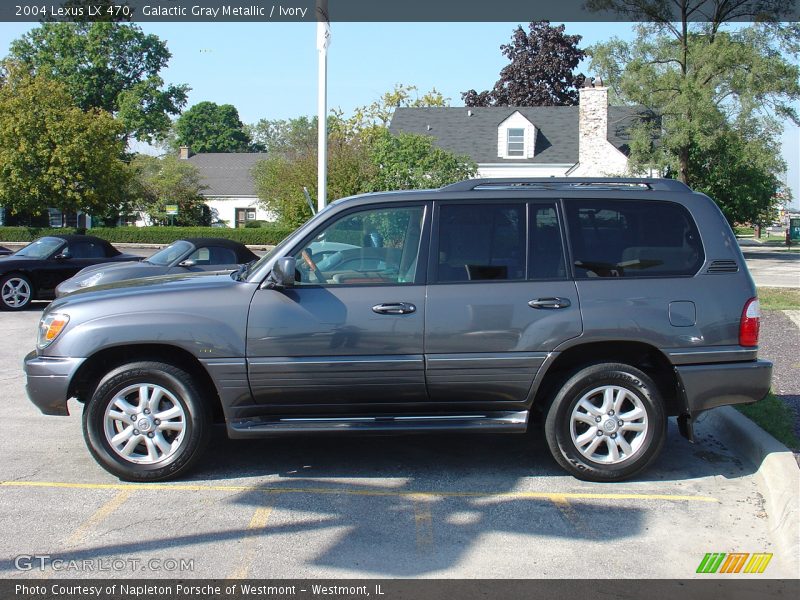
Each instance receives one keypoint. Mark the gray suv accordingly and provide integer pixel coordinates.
(596, 307)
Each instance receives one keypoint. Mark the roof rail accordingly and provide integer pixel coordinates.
(662, 185)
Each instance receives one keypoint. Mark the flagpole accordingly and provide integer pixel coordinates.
(323, 40)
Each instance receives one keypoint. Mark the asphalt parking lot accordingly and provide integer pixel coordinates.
(483, 506)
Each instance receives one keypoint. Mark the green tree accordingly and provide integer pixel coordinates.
(739, 174)
(280, 178)
(701, 77)
(716, 88)
(410, 161)
(110, 66)
(212, 127)
(284, 136)
(168, 180)
(541, 70)
(362, 156)
(53, 154)
(381, 110)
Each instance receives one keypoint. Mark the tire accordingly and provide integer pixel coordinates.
(583, 428)
(16, 292)
(125, 435)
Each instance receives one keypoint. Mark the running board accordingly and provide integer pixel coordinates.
(516, 421)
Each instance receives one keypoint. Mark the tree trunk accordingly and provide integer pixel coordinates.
(683, 170)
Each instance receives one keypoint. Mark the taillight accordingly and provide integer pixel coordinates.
(748, 326)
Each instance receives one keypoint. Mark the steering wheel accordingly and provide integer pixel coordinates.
(313, 266)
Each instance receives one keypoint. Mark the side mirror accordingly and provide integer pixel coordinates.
(282, 275)
(61, 256)
(187, 263)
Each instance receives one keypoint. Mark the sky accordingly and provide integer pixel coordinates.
(269, 70)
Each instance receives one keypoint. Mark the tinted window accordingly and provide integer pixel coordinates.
(612, 238)
(481, 241)
(371, 247)
(86, 250)
(547, 253)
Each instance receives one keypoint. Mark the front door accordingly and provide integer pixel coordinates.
(348, 336)
(499, 300)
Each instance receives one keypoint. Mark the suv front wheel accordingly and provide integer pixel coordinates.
(146, 421)
(607, 423)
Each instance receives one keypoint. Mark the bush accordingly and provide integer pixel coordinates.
(268, 234)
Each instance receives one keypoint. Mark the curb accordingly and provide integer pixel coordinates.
(777, 473)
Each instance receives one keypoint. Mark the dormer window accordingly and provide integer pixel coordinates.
(516, 142)
(516, 137)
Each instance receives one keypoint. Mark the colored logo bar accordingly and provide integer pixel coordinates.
(734, 562)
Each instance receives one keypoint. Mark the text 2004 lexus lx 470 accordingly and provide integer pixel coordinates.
(602, 306)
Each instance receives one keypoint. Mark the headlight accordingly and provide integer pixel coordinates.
(90, 281)
(50, 327)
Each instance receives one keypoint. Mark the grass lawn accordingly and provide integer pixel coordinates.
(774, 417)
(779, 298)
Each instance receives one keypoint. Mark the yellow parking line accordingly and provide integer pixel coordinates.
(178, 487)
(570, 514)
(423, 522)
(257, 521)
(100, 515)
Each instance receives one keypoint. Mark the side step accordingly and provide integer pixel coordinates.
(506, 421)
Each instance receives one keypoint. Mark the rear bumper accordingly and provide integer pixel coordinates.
(48, 380)
(711, 385)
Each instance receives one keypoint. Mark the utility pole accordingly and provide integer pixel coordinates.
(323, 41)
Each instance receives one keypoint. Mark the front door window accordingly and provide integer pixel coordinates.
(372, 247)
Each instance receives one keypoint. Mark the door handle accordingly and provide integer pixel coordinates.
(549, 303)
(394, 308)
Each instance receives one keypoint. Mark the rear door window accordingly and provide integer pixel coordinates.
(479, 242)
(632, 238)
(547, 251)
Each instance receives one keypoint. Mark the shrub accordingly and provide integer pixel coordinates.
(268, 234)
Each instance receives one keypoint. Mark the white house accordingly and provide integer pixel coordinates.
(229, 188)
(589, 140)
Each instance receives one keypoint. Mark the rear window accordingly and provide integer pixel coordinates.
(616, 238)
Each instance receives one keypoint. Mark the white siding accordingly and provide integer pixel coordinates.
(224, 209)
(512, 170)
(516, 121)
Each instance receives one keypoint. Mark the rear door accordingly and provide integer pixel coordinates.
(499, 299)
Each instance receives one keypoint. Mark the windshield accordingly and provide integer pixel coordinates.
(243, 274)
(170, 254)
(41, 248)
(245, 270)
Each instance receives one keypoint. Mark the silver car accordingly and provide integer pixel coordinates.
(182, 256)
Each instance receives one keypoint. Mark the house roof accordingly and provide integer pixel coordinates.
(476, 135)
(227, 173)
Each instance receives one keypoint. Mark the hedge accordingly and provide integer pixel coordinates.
(266, 235)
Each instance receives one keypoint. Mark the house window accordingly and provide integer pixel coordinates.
(516, 142)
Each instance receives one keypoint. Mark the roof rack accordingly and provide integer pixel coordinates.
(549, 183)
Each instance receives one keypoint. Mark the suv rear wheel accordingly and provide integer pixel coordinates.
(607, 422)
(146, 421)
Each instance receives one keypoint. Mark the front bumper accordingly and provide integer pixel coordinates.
(48, 380)
(711, 385)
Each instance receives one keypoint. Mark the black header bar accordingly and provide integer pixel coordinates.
(394, 10)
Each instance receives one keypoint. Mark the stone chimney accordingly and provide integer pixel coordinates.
(184, 153)
(593, 122)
